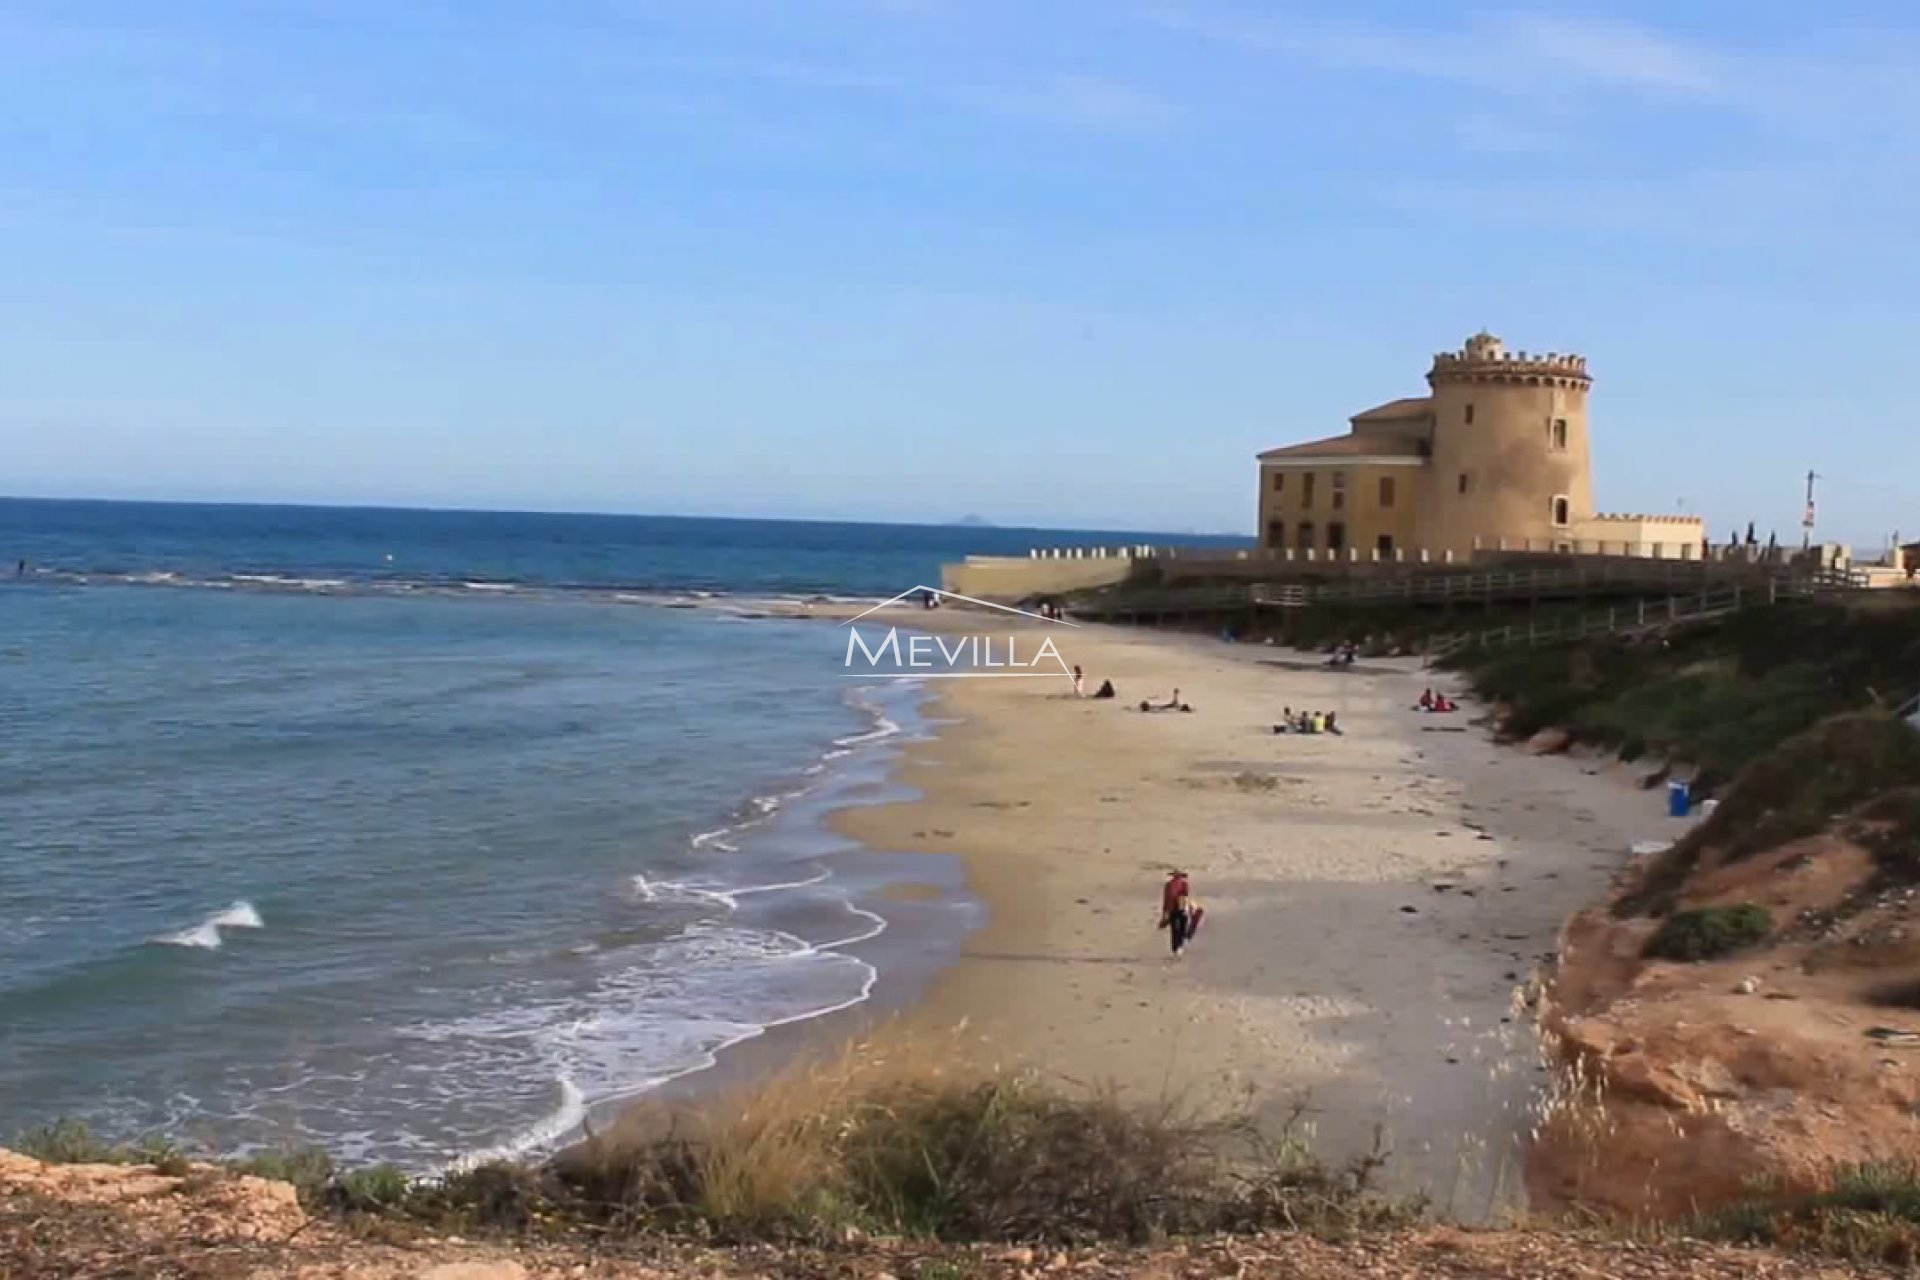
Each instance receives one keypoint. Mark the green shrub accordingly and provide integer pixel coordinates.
(1709, 933)
(379, 1188)
(68, 1142)
(1865, 1213)
(309, 1169)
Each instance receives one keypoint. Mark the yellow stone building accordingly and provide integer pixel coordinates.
(1494, 457)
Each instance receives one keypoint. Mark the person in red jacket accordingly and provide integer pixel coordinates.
(1179, 913)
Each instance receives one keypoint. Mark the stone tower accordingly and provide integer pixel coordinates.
(1509, 449)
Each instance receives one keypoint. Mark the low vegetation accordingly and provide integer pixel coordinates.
(1860, 770)
(1709, 933)
(1864, 1213)
(1715, 697)
(882, 1142)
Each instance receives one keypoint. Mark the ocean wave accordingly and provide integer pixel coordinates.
(491, 586)
(206, 935)
(288, 582)
(568, 1116)
(679, 891)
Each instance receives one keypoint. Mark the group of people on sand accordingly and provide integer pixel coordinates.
(1342, 657)
(1436, 703)
(1308, 722)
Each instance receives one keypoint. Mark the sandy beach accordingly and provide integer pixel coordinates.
(1376, 902)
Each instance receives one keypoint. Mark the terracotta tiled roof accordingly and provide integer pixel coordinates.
(1350, 446)
(1397, 410)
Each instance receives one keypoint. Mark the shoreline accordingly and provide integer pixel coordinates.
(1378, 902)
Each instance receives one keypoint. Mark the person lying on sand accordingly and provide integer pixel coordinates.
(1171, 704)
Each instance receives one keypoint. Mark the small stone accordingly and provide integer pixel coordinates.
(1748, 986)
(1411, 911)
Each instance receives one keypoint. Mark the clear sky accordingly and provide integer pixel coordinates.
(1060, 262)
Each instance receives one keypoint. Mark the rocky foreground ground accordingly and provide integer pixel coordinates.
(60, 1221)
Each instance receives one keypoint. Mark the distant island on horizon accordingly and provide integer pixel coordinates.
(972, 522)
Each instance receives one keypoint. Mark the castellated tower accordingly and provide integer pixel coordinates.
(1509, 453)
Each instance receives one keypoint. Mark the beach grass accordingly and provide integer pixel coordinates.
(889, 1138)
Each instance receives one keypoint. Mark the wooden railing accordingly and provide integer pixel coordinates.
(1492, 585)
(1641, 617)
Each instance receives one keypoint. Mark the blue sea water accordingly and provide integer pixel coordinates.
(417, 834)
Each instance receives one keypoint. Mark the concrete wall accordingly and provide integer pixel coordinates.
(1005, 579)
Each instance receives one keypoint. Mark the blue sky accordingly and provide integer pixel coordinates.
(1061, 262)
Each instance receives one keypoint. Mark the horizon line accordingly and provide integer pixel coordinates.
(965, 523)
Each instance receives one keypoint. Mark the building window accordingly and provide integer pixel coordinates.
(1304, 537)
(1469, 415)
(1465, 483)
(1339, 490)
(1557, 434)
(1336, 536)
(1384, 545)
(1276, 534)
(1279, 481)
(1386, 491)
(1562, 512)
(1306, 489)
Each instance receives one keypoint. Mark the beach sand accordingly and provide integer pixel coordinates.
(1376, 902)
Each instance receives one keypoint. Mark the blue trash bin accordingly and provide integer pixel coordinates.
(1679, 799)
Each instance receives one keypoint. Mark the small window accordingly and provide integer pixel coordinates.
(1465, 482)
(1276, 534)
(1339, 490)
(1306, 489)
(1336, 536)
(1384, 545)
(1386, 491)
(1562, 512)
(1469, 415)
(1279, 481)
(1304, 538)
(1558, 433)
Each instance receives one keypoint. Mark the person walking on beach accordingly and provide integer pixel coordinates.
(1179, 914)
(1079, 683)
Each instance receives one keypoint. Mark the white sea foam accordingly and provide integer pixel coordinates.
(542, 1135)
(668, 891)
(491, 586)
(207, 936)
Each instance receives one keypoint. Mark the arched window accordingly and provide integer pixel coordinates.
(1562, 511)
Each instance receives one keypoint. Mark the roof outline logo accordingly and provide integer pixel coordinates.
(938, 594)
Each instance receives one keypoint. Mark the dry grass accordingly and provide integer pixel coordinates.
(894, 1137)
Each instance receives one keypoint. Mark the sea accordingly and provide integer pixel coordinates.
(433, 836)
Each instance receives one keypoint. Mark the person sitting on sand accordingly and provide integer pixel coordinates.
(1442, 704)
(1333, 725)
(1426, 700)
(1105, 690)
(1316, 722)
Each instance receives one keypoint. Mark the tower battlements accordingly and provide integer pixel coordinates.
(1485, 358)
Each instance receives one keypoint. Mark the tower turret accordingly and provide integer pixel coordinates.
(1509, 448)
